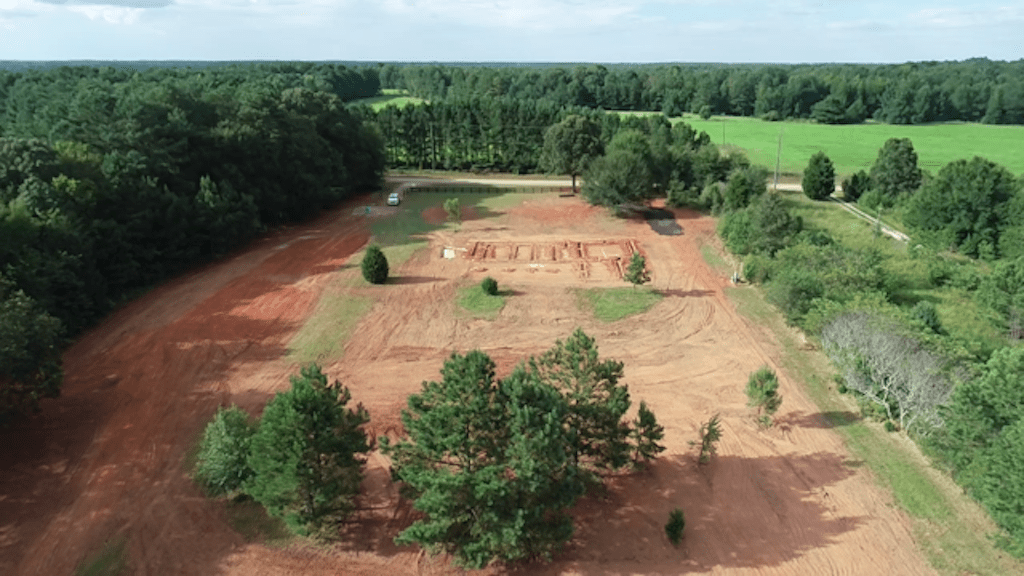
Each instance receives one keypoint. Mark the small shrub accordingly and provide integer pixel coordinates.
(453, 209)
(489, 286)
(636, 272)
(889, 426)
(757, 268)
(223, 461)
(928, 315)
(763, 394)
(710, 434)
(675, 526)
(375, 266)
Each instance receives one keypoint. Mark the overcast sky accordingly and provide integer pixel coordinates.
(512, 30)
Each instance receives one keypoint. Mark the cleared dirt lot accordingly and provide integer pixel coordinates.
(107, 458)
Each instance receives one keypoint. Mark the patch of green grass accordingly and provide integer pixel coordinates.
(111, 560)
(952, 530)
(714, 259)
(250, 519)
(403, 234)
(855, 147)
(480, 304)
(611, 304)
(843, 226)
(389, 97)
(336, 315)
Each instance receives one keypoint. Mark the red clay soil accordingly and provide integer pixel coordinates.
(437, 215)
(108, 458)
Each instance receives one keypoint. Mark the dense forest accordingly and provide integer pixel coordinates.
(977, 90)
(113, 179)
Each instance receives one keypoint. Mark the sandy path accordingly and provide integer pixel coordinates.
(106, 458)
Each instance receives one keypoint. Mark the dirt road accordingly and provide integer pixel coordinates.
(108, 458)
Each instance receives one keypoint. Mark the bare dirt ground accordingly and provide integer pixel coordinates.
(107, 458)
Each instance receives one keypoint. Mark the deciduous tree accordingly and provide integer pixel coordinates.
(964, 206)
(889, 368)
(30, 360)
(222, 464)
(571, 145)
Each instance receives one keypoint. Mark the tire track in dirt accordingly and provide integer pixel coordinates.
(142, 385)
(152, 374)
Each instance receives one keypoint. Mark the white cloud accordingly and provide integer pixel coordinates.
(123, 3)
(959, 18)
(109, 14)
(523, 14)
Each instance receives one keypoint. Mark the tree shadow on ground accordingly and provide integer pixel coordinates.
(399, 280)
(828, 419)
(139, 389)
(740, 513)
(677, 293)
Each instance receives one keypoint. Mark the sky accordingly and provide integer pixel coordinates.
(605, 31)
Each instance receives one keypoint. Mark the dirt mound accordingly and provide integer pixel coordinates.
(108, 458)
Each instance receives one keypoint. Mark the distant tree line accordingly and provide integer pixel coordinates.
(111, 181)
(976, 90)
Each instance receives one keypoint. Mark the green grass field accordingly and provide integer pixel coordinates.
(389, 97)
(855, 147)
(611, 304)
(479, 304)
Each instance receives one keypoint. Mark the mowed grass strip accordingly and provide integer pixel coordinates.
(480, 304)
(611, 304)
(329, 326)
(951, 529)
(855, 147)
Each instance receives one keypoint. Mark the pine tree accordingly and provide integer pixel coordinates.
(763, 394)
(306, 454)
(636, 272)
(375, 266)
(819, 177)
